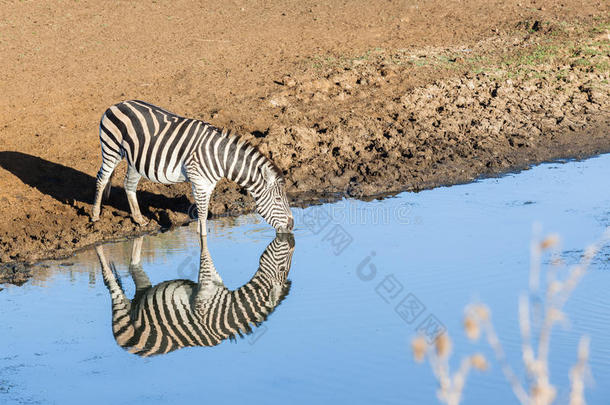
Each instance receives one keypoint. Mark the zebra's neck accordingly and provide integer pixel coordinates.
(243, 163)
(266, 288)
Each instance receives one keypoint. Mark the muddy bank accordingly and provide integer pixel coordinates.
(446, 133)
(355, 130)
(383, 121)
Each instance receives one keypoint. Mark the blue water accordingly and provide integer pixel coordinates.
(338, 336)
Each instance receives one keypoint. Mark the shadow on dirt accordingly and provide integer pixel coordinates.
(69, 186)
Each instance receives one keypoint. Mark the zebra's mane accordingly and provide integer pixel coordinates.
(226, 132)
(276, 170)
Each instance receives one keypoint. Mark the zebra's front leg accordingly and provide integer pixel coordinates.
(131, 184)
(202, 193)
(209, 282)
(138, 274)
(207, 272)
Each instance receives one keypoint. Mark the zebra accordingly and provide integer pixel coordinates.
(180, 313)
(166, 148)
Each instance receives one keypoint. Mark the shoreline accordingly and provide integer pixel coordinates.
(17, 271)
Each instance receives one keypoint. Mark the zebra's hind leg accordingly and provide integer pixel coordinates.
(131, 184)
(122, 326)
(109, 163)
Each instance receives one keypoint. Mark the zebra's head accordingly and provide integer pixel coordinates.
(271, 201)
(275, 262)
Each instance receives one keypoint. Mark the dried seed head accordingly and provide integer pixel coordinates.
(550, 241)
(419, 347)
(471, 326)
(482, 312)
(555, 287)
(537, 367)
(555, 315)
(443, 345)
(479, 362)
(543, 393)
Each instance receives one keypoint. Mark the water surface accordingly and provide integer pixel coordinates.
(340, 336)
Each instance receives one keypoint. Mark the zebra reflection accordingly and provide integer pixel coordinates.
(180, 313)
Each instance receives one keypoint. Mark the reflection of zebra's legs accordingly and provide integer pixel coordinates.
(209, 280)
(135, 268)
(207, 271)
(131, 184)
(121, 306)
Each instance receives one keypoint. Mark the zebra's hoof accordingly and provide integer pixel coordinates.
(95, 218)
(140, 221)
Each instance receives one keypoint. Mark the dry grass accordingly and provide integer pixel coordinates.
(536, 321)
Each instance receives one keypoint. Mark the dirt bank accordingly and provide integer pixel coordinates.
(355, 101)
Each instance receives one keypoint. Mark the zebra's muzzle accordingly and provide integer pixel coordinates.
(286, 237)
(286, 228)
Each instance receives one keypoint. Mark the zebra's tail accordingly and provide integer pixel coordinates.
(106, 192)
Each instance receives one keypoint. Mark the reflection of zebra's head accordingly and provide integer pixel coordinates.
(180, 313)
(275, 263)
(271, 200)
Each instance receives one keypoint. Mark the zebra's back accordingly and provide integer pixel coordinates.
(154, 141)
(165, 318)
(163, 321)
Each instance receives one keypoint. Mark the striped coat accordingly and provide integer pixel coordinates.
(180, 313)
(166, 148)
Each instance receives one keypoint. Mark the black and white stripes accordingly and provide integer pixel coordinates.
(180, 313)
(167, 148)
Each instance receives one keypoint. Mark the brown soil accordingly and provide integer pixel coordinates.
(355, 98)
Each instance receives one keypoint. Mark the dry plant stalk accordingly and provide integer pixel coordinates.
(477, 321)
(450, 385)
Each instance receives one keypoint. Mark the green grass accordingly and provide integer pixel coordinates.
(568, 45)
(601, 28)
(540, 55)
